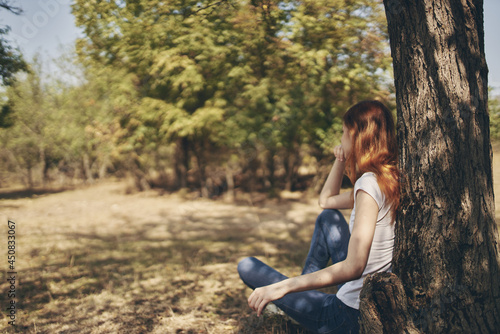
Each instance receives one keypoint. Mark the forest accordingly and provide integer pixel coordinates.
(195, 94)
(184, 101)
(209, 96)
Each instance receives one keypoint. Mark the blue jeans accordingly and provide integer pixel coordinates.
(317, 311)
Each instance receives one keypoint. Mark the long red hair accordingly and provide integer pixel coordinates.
(374, 147)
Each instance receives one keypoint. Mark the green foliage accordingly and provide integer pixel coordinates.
(6, 116)
(56, 126)
(494, 110)
(187, 86)
(11, 61)
(27, 137)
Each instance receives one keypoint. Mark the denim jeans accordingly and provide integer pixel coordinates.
(317, 311)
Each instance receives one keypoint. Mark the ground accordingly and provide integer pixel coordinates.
(97, 260)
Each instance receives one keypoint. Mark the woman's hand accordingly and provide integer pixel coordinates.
(338, 151)
(260, 297)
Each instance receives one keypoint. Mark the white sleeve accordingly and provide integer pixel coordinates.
(368, 183)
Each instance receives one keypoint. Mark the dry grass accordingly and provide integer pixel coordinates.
(95, 260)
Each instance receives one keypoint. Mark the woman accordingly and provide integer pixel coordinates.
(368, 155)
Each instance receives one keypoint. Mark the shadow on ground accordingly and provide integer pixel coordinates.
(30, 193)
(172, 273)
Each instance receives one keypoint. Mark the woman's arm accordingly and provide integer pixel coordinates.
(349, 269)
(330, 197)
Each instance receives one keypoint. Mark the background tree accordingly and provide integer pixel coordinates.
(446, 251)
(234, 87)
(494, 110)
(27, 137)
(7, 4)
(11, 61)
(59, 128)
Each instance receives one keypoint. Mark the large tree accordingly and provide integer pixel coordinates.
(446, 253)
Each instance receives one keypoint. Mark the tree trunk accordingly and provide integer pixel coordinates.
(103, 167)
(291, 164)
(45, 165)
(181, 163)
(87, 169)
(446, 248)
(383, 306)
(201, 161)
(271, 168)
(29, 170)
(230, 196)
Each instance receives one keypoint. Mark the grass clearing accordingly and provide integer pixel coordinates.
(95, 260)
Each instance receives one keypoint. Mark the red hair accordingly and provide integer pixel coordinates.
(374, 147)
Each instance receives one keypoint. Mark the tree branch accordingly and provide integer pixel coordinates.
(15, 10)
(215, 4)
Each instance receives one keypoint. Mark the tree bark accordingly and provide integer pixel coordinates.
(384, 307)
(446, 247)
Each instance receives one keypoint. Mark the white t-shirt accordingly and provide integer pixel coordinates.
(380, 258)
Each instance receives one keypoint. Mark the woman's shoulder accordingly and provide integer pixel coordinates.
(367, 177)
(368, 183)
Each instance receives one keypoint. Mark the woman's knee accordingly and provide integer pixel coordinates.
(333, 224)
(245, 266)
(331, 216)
